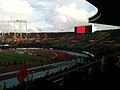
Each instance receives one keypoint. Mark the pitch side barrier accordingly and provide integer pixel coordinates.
(70, 71)
(58, 77)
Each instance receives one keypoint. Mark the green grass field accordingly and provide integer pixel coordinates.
(10, 58)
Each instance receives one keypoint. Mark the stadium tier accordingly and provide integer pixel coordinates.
(48, 52)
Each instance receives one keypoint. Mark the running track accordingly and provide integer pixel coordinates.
(36, 67)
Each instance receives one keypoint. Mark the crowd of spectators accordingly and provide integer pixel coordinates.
(88, 77)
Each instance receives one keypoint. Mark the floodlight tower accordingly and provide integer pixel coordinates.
(16, 21)
(22, 21)
(8, 23)
(14, 26)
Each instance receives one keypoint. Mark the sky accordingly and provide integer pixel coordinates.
(45, 15)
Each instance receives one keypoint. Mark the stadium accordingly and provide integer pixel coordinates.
(65, 49)
(81, 59)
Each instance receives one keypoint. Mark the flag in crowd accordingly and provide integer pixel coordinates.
(22, 74)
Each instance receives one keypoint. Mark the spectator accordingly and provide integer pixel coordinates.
(41, 83)
(4, 85)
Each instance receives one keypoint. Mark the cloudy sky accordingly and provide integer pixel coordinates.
(45, 15)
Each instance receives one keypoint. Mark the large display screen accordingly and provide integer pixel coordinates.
(83, 29)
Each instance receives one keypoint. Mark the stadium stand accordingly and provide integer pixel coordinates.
(99, 74)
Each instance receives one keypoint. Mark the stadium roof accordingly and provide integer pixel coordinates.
(108, 12)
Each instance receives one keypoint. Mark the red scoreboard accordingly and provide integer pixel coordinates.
(83, 29)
